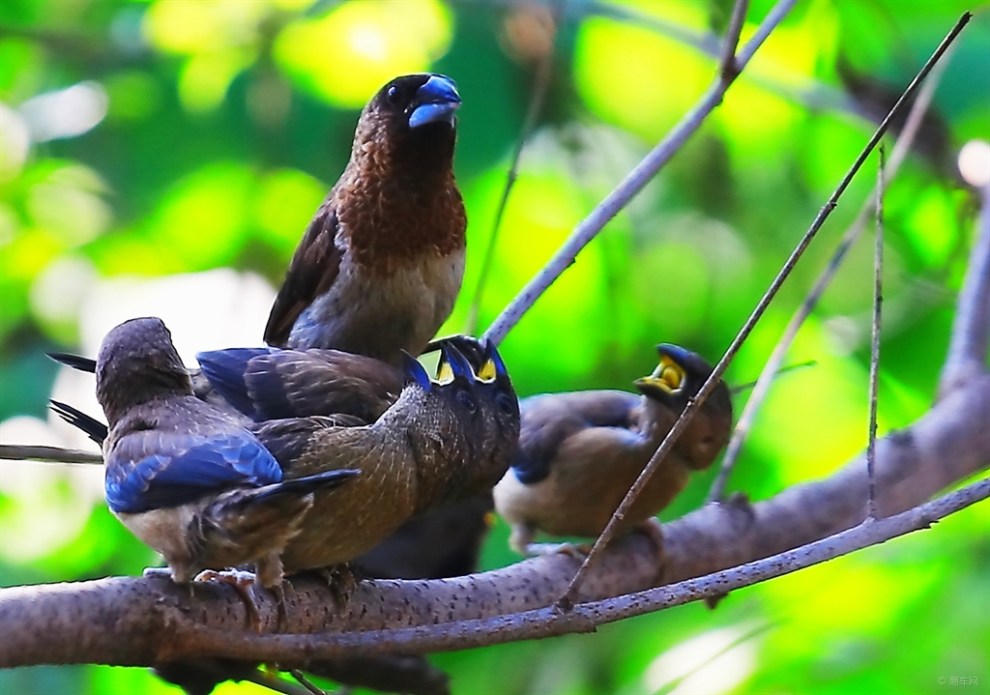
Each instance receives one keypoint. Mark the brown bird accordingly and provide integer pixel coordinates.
(381, 264)
(432, 446)
(180, 474)
(446, 541)
(579, 453)
(261, 384)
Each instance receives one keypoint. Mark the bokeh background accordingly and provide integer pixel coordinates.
(163, 158)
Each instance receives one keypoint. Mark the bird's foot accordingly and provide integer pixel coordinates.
(282, 616)
(654, 531)
(243, 583)
(342, 580)
(578, 551)
(157, 573)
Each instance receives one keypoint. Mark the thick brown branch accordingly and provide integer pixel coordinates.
(130, 621)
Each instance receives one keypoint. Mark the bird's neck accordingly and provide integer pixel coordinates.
(401, 203)
(125, 390)
(655, 420)
(438, 450)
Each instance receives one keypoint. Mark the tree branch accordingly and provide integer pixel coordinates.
(155, 621)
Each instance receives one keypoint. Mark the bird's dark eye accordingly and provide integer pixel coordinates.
(506, 403)
(392, 94)
(467, 401)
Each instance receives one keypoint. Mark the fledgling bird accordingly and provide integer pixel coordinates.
(380, 265)
(446, 540)
(579, 453)
(195, 486)
(433, 446)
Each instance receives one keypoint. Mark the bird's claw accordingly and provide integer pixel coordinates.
(574, 550)
(652, 529)
(342, 580)
(157, 573)
(243, 583)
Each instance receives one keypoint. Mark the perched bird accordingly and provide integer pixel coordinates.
(579, 453)
(446, 541)
(271, 383)
(482, 415)
(380, 265)
(195, 486)
(431, 447)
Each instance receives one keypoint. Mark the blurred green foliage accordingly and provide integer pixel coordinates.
(144, 139)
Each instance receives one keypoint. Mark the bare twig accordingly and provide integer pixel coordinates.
(971, 326)
(632, 184)
(745, 422)
(727, 64)
(50, 454)
(275, 684)
(695, 403)
(871, 445)
(673, 683)
(306, 683)
(541, 83)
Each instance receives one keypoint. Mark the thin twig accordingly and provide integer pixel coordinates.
(274, 683)
(741, 388)
(50, 454)
(901, 148)
(971, 326)
(727, 64)
(541, 83)
(644, 477)
(630, 185)
(306, 682)
(550, 621)
(871, 446)
(675, 682)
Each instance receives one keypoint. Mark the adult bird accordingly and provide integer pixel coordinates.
(579, 453)
(380, 266)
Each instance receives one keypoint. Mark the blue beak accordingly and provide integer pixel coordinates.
(436, 101)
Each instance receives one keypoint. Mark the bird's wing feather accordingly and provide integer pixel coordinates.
(151, 470)
(226, 371)
(547, 420)
(289, 438)
(313, 270)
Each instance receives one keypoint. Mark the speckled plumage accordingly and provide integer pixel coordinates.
(579, 453)
(433, 446)
(381, 264)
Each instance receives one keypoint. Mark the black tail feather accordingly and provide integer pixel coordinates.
(309, 483)
(96, 430)
(83, 364)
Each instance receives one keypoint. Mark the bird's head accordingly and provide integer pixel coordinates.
(137, 361)
(678, 377)
(409, 124)
(418, 101)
